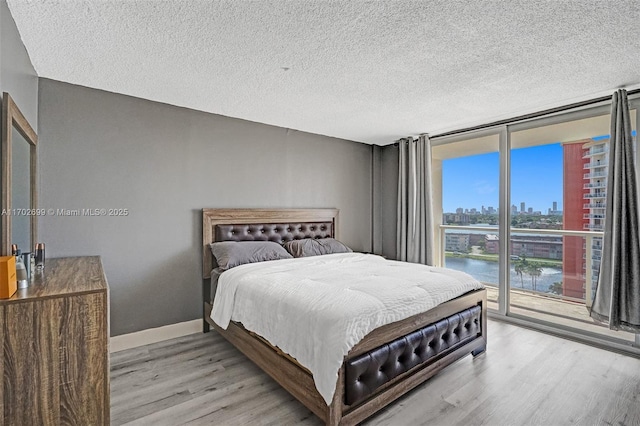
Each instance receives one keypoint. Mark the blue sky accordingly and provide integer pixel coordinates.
(536, 179)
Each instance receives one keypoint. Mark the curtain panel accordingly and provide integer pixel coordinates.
(415, 213)
(617, 296)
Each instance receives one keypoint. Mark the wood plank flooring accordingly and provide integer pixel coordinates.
(524, 378)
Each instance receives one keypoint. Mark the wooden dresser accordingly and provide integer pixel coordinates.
(55, 334)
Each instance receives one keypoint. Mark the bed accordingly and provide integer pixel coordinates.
(385, 364)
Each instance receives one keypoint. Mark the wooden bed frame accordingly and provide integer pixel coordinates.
(296, 379)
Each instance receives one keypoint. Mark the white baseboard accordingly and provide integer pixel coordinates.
(153, 335)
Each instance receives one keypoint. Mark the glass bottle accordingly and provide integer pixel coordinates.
(39, 256)
(21, 271)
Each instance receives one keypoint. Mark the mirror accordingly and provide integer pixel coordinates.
(19, 200)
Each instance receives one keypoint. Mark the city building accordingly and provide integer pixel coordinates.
(529, 246)
(540, 246)
(492, 244)
(457, 242)
(596, 153)
(455, 218)
(475, 239)
(585, 180)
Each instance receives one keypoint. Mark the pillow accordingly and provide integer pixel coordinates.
(313, 247)
(229, 254)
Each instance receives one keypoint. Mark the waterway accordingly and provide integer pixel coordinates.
(487, 272)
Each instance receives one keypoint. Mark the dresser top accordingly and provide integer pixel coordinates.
(64, 276)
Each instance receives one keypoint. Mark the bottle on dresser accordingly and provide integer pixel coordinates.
(27, 261)
(21, 271)
(39, 256)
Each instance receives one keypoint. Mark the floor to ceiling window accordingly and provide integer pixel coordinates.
(558, 187)
(540, 186)
(467, 201)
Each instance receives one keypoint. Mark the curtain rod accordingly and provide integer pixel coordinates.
(528, 116)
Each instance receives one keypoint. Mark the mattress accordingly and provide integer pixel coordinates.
(317, 308)
(215, 276)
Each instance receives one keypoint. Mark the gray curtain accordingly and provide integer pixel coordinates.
(415, 213)
(617, 297)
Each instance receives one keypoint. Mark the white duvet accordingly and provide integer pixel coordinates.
(317, 308)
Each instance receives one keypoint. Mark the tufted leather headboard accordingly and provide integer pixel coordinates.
(279, 225)
(276, 232)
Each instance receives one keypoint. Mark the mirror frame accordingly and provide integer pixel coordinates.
(12, 117)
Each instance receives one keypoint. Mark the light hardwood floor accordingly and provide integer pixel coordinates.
(524, 378)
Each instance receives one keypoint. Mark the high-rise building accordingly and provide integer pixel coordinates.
(522, 207)
(597, 154)
(573, 219)
(554, 210)
(585, 181)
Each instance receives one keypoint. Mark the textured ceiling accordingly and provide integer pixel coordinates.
(369, 71)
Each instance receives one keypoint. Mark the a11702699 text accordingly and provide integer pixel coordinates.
(84, 212)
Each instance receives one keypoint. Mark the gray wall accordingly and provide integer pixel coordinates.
(388, 192)
(17, 76)
(164, 164)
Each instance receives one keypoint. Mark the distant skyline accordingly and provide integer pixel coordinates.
(536, 179)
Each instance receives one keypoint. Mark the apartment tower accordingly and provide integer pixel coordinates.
(585, 181)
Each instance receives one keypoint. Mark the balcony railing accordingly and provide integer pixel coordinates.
(596, 195)
(594, 165)
(594, 206)
(594, 151)
(594, 175)
(595, 185)
(593, 256)
(593, 227)
(592, 216)
(591, 264)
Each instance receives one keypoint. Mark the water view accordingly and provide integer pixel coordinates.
(487, 272)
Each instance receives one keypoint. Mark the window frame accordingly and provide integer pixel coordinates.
(504, 132)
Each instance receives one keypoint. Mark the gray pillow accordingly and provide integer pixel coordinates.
(314, 247)
(229, 254)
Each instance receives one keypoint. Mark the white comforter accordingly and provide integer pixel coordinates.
(317, 308)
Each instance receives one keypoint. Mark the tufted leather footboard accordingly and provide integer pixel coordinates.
(366, 373)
